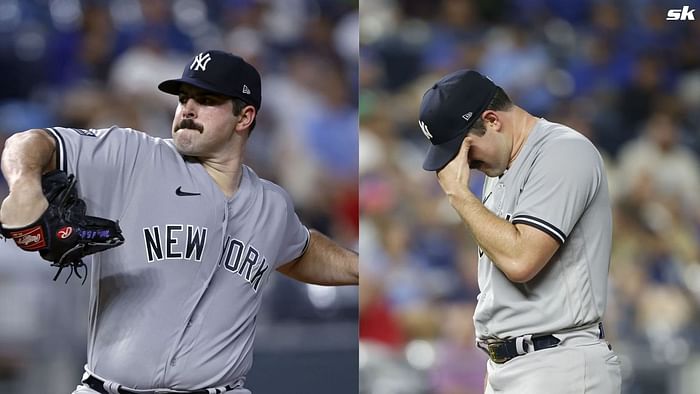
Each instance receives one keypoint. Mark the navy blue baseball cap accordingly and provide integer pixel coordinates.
(220, 72)
(449, 109)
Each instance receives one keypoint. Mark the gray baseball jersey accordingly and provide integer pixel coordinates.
(175, 306)
(557, 184)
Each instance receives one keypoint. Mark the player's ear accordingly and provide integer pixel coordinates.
(246, 118)
(491, 120)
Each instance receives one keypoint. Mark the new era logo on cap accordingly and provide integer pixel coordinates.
(245, 89)
(449, 109)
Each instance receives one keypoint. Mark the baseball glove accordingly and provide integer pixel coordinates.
(64, 234)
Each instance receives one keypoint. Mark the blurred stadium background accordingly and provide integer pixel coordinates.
(85, 63)
(616, 71)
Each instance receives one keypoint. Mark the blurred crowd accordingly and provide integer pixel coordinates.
(96, 63)
(616, 71)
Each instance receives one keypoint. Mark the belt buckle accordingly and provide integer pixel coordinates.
(491, 348)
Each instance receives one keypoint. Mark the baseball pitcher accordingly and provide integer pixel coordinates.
(544, 232)
(183, 236)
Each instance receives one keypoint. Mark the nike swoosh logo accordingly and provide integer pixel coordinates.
(179, 192)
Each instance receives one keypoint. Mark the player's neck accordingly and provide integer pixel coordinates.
(226, 175)
(225, 165)
(523, 123)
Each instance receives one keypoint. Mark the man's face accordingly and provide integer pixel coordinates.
(203, 122)
(489, 153)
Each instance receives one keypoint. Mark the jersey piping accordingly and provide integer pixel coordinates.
(542, 225)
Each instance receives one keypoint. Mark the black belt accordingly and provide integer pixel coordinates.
(97, 384)
(501, 351)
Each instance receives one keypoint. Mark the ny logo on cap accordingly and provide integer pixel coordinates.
(424, 127)
(200, 62)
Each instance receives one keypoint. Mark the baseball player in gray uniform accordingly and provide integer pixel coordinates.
(543, 227)
(173, 309)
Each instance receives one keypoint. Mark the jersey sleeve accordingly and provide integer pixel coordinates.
(296, 236)
(103, 161)
(563, 180)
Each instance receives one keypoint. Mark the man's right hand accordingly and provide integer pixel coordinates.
(24, 205)
(454, 177)
(25, 157)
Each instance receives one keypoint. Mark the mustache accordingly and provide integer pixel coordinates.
(189, 124)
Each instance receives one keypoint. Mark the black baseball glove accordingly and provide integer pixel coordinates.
(64, 234)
